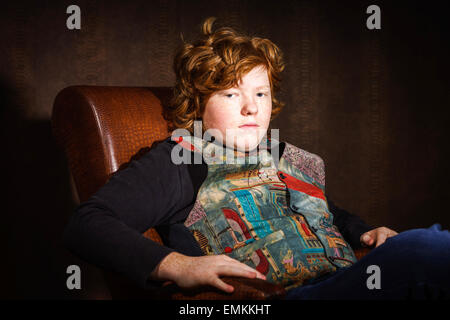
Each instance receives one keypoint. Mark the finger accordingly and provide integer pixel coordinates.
(381, 238)
(236, 271)
(367, 238)
(392, 233)
(259, 275)
(222, 285)
(248, 268)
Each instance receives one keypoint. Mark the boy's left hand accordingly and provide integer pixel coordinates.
(378, 236)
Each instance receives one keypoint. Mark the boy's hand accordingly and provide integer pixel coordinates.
(189, 272)
(377, 236)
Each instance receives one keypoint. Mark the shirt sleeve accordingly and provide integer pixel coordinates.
(350, 226)
(107, 229)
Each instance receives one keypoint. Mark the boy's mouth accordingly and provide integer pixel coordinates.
(249, 125)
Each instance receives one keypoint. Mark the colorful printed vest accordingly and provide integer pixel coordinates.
(274, 219)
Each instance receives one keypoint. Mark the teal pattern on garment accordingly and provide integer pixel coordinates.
(272, 216)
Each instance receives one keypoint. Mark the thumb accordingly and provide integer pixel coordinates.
(367, 238)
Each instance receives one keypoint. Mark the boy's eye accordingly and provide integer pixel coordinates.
(261, 94)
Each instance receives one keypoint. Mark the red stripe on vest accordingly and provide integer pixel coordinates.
(301, 186)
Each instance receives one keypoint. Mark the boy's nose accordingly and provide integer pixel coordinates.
(249, 107)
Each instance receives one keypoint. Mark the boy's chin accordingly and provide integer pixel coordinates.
(246, 146)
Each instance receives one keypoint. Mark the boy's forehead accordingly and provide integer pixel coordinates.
(255, 78)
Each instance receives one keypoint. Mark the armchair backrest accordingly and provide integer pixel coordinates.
(101, 128)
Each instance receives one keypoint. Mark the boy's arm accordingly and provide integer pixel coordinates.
(350, 225)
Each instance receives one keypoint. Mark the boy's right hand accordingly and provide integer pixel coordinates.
(189, 272)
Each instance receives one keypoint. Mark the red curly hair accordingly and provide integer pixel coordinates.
(218, 61)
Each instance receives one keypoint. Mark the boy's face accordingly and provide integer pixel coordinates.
(241, 114)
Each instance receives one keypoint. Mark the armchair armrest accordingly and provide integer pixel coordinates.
(361, 252)
(244, 289)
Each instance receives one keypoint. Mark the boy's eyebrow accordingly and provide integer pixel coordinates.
(257, 88)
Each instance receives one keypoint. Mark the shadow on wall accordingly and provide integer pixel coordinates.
(37, 205)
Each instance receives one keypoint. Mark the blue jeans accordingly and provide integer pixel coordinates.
(414, 264)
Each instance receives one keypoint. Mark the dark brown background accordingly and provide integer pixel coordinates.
(373, 104)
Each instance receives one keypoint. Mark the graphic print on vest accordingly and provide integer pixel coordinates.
(275, 220)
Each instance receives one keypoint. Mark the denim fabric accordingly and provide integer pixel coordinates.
(414, 264)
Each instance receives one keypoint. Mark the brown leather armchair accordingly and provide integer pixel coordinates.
(101, 129)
